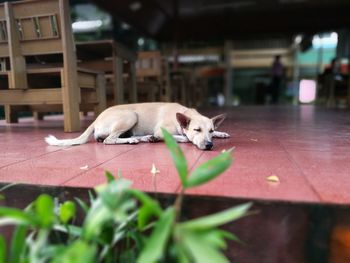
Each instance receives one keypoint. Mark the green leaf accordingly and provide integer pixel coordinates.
(209, 170)
(158, 240)
(181, 254)
(148, 209)
(144, 215)
(109, 176)
(95, 220)
(217, 219)
(2, 249)
(177, 155)
(53, 251)
(67, 211)
(201, 251)
(127, 256)
(44, 207)
(112, 194)
(91, 197)
(213, 237)
(111, 204)
(82, 204)
(78, 252)
(230, 236)
(18, 243)
(147, 200)
(71, 229)
(16, 215)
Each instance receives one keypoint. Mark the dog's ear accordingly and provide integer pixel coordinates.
(183, 120)
(217, 120)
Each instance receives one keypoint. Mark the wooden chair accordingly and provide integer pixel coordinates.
(118, 64)
(38, 63)
(153, 76)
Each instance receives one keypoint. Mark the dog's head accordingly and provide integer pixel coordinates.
(199, 129)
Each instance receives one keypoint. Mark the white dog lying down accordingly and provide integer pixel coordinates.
(142, 122)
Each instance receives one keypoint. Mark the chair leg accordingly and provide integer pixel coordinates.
(11, 115)
(133, 89)
(101, 94)
(70, 99)
(71, 119)
(152, 94)
(39, 116)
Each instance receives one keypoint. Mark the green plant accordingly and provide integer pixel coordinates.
(121, 224)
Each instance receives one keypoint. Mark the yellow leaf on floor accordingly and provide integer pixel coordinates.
(273, 178)
(154, 170)
(84, 167)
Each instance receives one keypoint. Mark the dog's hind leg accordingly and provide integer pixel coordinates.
(124, 122)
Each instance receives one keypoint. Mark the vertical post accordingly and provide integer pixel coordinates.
(228, 88)
(70, 106)
(10, 114)
(69, 75)
(348, 98)
(18, 76)
(118, 85)
(296, 74)
(39, 116)
(133, 89)
(101, 94)
(165, 80)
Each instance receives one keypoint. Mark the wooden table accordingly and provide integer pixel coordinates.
(114, 59)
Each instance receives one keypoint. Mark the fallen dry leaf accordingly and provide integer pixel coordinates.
(273, 178)
(84, 167)
(154, 170)
(229, 150)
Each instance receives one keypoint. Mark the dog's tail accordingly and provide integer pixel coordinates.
(83, 138)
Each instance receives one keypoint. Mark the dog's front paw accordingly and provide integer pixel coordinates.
(225, 135)
(133, 141)
(221, 134)
(153, 138)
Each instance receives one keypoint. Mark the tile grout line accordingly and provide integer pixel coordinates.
(291, 159)
(35, 157)
(95, 166)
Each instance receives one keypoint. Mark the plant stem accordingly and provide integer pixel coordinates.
(178, 205)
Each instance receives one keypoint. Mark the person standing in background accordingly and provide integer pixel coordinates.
(277, 71)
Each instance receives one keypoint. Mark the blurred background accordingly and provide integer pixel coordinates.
(238, 52)
(229, 48)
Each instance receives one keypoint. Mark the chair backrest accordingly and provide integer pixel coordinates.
(37, 27)
(149, 64)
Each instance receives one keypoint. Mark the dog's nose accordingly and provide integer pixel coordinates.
(208, 145)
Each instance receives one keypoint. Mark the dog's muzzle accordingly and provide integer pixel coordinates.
(208, 145)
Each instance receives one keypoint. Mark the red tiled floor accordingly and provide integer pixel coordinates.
(306, 147)
(327, 171)
(136, 166)
(247, 177)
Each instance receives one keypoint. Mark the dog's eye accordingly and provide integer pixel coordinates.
(211, 131)
(197, 130)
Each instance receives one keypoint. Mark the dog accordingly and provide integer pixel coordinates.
(142, 122)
